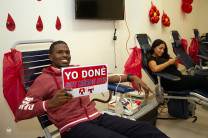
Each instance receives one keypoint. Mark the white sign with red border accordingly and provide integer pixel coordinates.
(85, 80)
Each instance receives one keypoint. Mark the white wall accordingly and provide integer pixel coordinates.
(90, 41)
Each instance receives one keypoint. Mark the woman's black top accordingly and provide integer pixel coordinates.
(186, 82)
(172, 69)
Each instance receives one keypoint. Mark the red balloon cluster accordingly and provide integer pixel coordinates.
(165, 19)
(154, 14)
(186, 6)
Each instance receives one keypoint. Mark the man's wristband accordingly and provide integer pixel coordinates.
(128, 77)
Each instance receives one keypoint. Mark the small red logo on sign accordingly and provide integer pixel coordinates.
(82, 91)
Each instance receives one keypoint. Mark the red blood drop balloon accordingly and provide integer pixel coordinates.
(58, 23)
(10, 24)
(39, 25)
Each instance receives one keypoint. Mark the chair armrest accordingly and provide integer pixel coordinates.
(121, 88)
(203, 57)
(167, 76)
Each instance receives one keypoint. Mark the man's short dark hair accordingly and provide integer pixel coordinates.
(55, 43)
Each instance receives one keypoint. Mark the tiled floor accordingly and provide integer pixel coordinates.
(185, 128)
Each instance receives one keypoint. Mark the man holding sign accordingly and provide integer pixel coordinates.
(77, 117)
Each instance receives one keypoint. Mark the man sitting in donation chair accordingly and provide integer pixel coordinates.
(168, 80)
(77, 117)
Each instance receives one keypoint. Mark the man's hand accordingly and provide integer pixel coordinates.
(60, 98)
(140, 84)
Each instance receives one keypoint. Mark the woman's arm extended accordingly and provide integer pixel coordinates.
(157, 68)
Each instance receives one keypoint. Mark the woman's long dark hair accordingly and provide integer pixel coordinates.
(158, 42)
